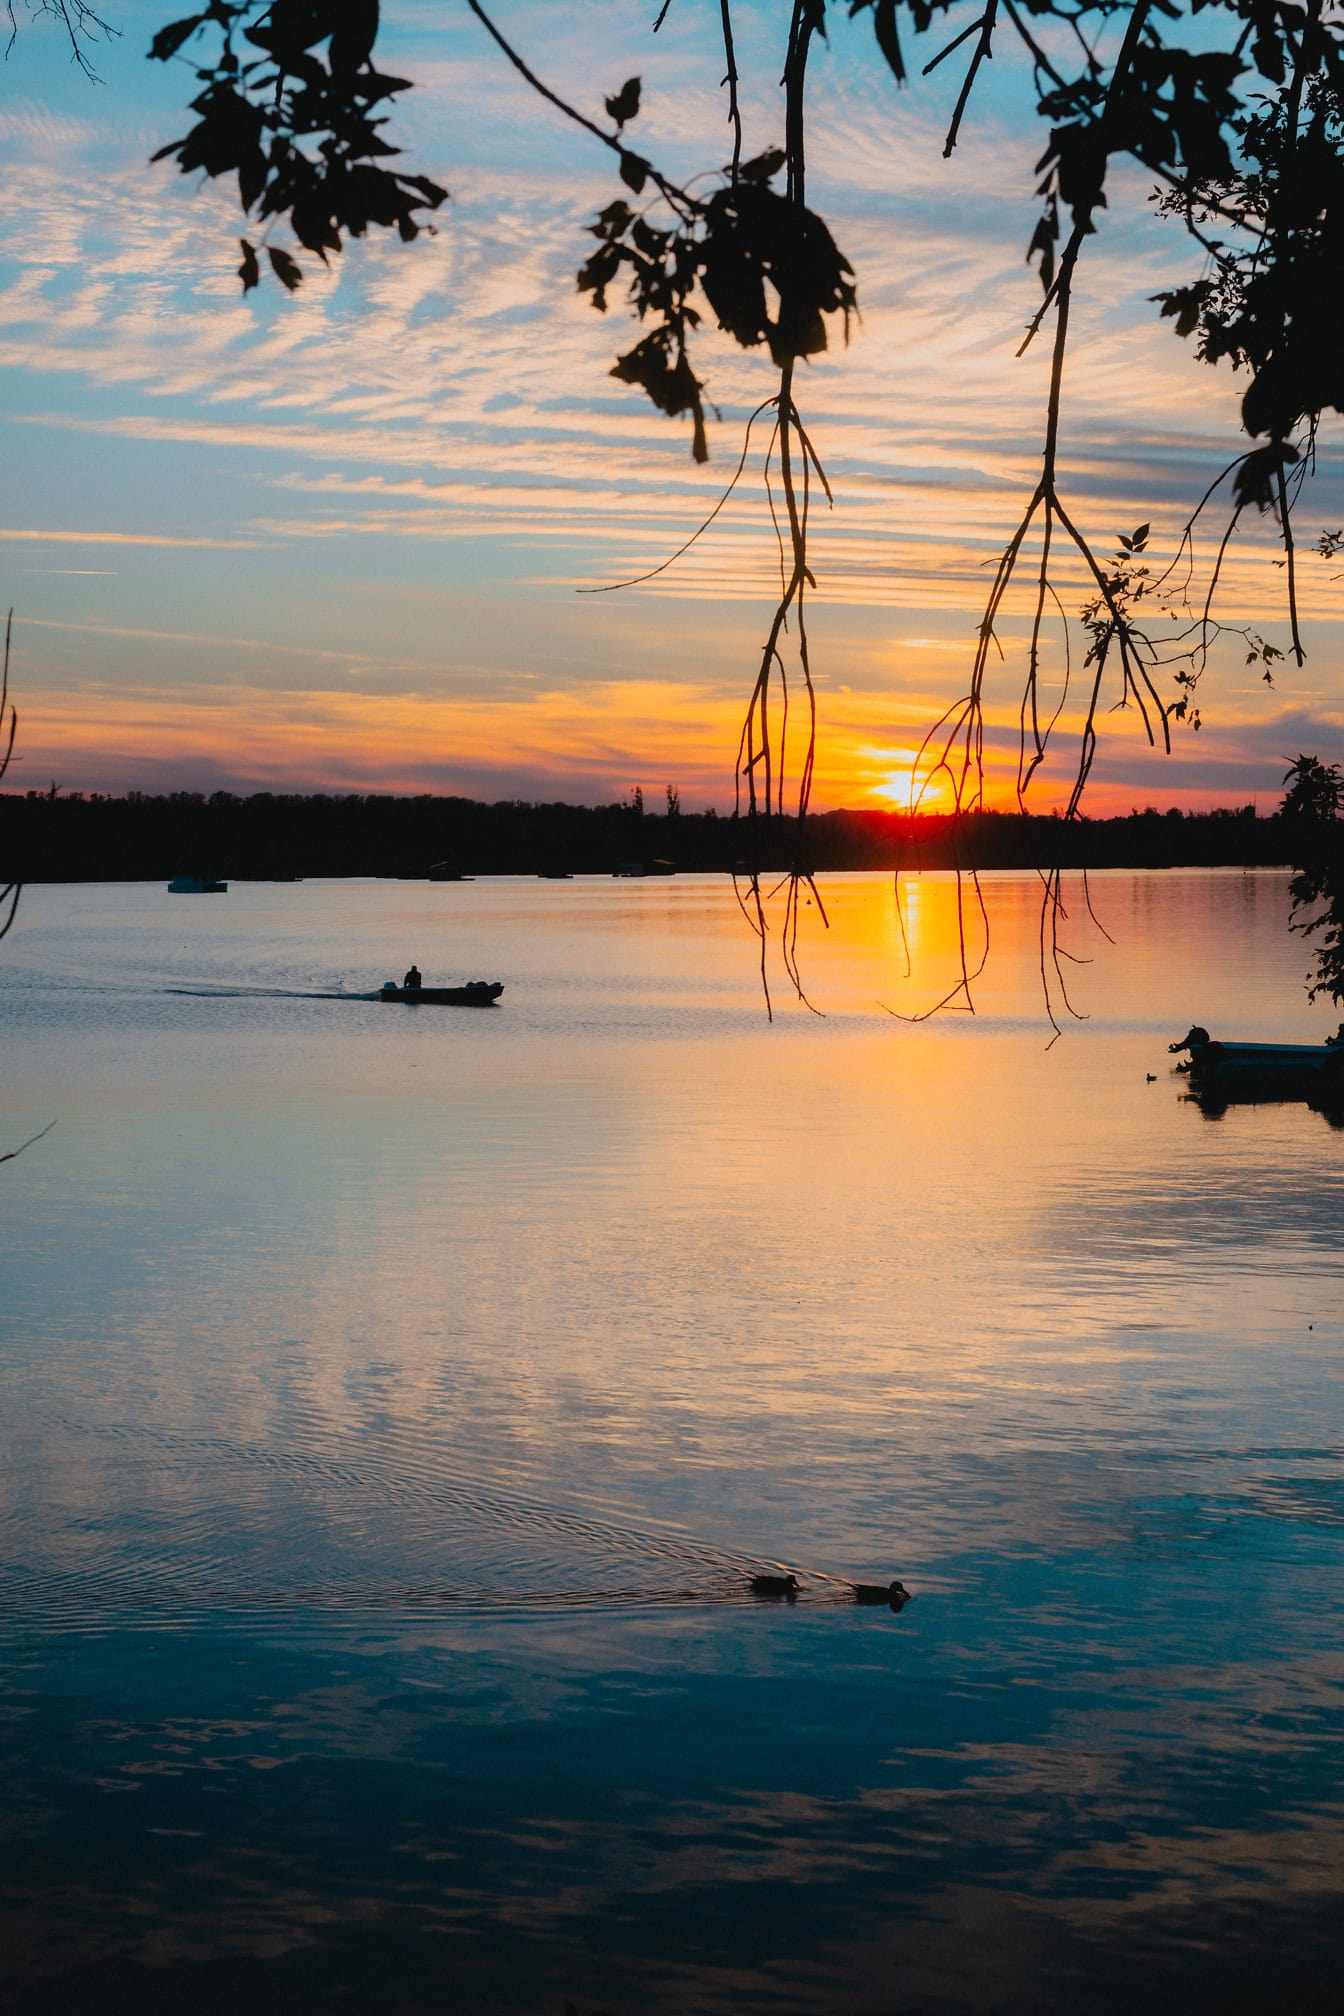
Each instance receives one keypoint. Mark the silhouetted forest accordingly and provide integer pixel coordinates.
(78, 838)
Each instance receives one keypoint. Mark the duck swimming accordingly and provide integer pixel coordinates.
(775, 1588)
(895, 1593)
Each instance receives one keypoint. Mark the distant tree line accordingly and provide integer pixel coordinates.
(71, 837)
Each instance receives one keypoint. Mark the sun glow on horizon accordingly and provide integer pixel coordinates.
(909, 785)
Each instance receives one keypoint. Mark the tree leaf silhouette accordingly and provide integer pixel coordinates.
(625, 105)
(285, 269)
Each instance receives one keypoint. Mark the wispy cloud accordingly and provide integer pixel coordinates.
(54, 537)
(267, 645)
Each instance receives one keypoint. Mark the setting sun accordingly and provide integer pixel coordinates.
(907, 784)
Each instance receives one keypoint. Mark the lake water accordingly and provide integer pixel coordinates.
(394, 1404)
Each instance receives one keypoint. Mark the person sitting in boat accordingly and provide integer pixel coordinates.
(413, 981)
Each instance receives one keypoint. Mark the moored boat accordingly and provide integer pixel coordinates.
(1207, 1055)
(1288, 1070)
(475, 994)
(197, 885)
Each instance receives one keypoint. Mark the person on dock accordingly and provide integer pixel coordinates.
(413, 981)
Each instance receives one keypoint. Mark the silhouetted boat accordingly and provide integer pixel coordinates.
(475, 994)
(1254, 1072)
(444, 871)
(197, 885)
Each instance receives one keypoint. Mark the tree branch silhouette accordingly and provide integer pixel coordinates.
(1233, 106)
(83, 26)
(9, 727)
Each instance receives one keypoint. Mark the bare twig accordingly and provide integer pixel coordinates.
(730, 79)
(983, 53)
(637, 580)
(9, 895)
(80, 22)
(9, 1155)
(680, 201)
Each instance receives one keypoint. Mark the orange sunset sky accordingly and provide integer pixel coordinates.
(334, 541)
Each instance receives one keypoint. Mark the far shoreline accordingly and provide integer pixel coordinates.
(269, 836)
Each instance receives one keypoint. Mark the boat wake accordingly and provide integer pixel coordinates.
(274, 993)
(231, 1528)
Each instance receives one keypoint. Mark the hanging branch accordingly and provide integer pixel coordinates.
(41, 1134)
(730, 79)
(11, 891)
(761, 746)
(638, 580)
(1246, 140)
(677, 198)
(959, 756)
(983, 53)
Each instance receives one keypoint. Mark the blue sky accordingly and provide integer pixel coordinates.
(334, 541)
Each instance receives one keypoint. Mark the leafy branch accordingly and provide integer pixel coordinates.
(298, 124)
(1313, 807)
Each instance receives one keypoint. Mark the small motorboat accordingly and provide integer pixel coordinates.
(475, 994)
(197, 885)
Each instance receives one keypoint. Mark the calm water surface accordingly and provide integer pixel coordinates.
(394, 1404)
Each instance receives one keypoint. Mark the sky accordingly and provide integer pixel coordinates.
(335, 541)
